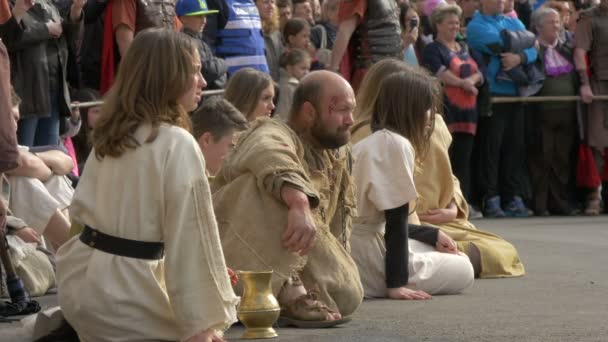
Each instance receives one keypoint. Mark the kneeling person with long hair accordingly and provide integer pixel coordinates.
(395, 261)
(148, 265)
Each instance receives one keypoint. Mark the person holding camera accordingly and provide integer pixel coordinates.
(409, 20)
(460, 69)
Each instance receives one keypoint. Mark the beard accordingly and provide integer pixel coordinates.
(328, 139)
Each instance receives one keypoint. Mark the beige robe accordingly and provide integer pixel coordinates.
(437, 187)
(157, 192)
(252, 217)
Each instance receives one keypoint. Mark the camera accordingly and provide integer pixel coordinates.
(413, 23)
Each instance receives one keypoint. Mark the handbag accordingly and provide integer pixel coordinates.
(586, 171)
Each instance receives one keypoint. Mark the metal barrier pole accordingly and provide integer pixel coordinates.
(544, 99)
(99, 103)
(513, 99)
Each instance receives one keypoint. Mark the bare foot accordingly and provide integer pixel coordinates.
(290, 292)
(404, 293)
(209, 335)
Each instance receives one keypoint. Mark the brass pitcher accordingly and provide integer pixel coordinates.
(259, 309)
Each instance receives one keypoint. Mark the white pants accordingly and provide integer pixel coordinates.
(429, 270)
(36, 202)
(439, 273)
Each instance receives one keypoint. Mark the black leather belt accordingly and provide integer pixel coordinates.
(123, 247)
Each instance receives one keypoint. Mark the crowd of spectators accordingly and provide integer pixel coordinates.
(511, 158)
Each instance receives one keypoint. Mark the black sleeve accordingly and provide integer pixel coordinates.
(397, 251)
(423, 234)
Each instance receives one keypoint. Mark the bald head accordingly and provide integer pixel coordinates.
(318, 86)
(322, 107)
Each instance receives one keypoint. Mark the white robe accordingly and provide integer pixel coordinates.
(156, 192)
(383, 173)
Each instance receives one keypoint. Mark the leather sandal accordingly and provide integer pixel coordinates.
(307, 311)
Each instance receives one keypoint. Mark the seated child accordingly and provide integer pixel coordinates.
(295, 64)
(393, 261)
(214, 125)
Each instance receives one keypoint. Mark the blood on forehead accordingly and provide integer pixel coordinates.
(333, 103)
(340, 102)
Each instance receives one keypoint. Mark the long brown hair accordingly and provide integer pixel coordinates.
(369, 90)
(402, 105)
(244, 90)
(154, 74)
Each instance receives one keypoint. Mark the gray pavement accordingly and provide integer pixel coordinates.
(564, 296)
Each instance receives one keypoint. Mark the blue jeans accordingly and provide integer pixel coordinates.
(41, 131)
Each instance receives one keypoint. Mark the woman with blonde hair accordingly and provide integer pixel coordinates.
(368, 93)
(251, 92)
(269, 13)
(395, 260)
(146, 207)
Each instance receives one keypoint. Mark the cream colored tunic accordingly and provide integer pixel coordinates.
(157, 192)
(383, 172)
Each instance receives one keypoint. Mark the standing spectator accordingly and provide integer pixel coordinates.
(284, 7)
(193, 15)
(317, 10)
(296, 34)
(551, 154)
(460, 69)
(375, 24)
(131, 16)
(91, 48)
(9, 29)
(565, 11)
(327, 26)
(251, 92)
(409, 20)
(296, 64)
(469, 7)
(303, 9)
(272, 36)
(238, 37)
(592, 38)
(502, 134)
(39, 61)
